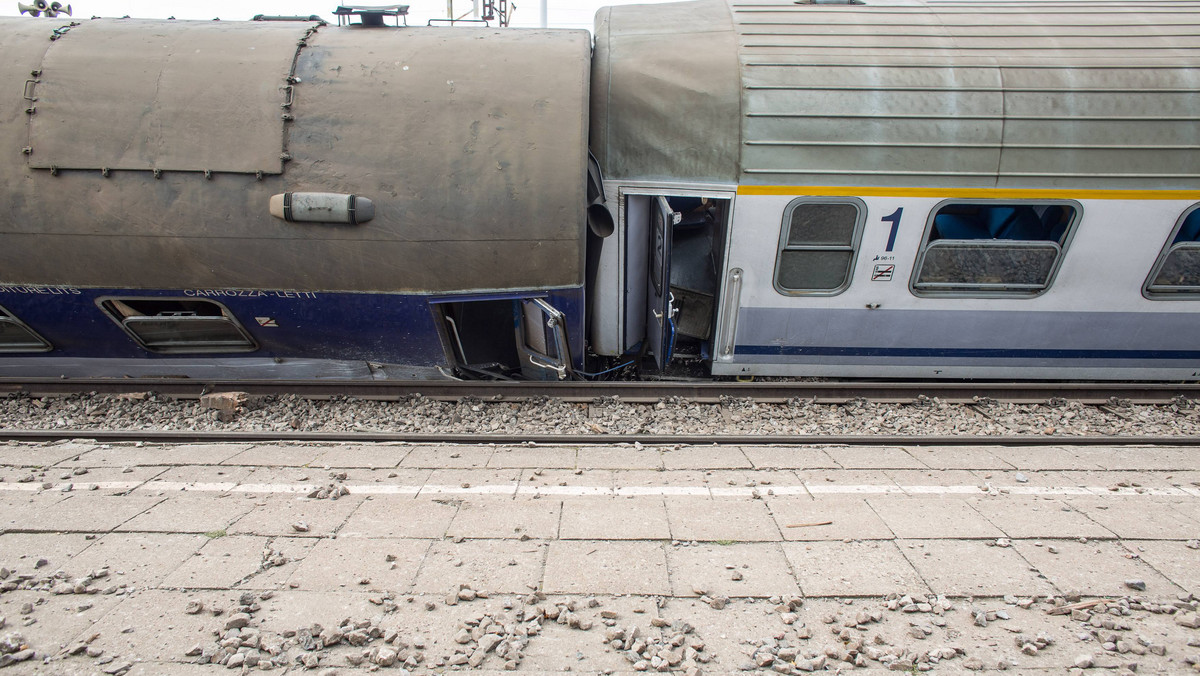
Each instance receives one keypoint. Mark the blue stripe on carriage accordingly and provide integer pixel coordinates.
(960, 353)
(377, 327)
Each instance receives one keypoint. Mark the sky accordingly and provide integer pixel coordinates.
(560, 13)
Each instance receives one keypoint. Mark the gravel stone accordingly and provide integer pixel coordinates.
(607, 415)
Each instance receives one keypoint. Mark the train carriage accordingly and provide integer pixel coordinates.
(290, 199)
(886, 188)
(903, 188)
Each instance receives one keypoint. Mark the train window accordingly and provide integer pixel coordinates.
(15, 336)
(817, 245)
(1177, 271)
(175, 325)
(993, 249)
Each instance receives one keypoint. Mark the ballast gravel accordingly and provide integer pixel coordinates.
(604, 416)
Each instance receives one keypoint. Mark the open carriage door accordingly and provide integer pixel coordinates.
(660, 312)
(542, 341)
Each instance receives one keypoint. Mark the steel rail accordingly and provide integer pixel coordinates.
(508, 439)
(633, 392)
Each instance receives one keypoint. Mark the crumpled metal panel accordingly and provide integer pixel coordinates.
(470, 142)
(173, 96)
(665, 92)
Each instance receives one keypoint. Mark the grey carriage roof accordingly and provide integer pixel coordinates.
(1045, 94)
(145, 152)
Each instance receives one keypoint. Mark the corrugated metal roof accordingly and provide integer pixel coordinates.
(1091, 94)
(1081, 94)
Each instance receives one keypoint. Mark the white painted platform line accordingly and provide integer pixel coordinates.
(505, 489)
(943, 490)
(681, 491)
(855, 490)
(566, 490)
(622, 491)
(83, 487)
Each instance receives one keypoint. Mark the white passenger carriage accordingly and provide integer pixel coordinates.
(901, 188)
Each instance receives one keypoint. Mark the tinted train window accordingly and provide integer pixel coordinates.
(178, 324)
(816, 249)
(993, 249)
(1177, 270)
(15, 336)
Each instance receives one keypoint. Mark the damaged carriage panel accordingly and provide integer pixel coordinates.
(171, 96)
(470, 143)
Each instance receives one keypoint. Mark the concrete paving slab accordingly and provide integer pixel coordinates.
(279, 515)
(618, 457)
(107, 479)
(489, 481)
(189, 513)
(276, 455)
(846, 482)
(850, 569)
(789, 457)
(729, 634)
(1020, 479)
(957, 457)
(1021, 516)
(285, 556)
(493, 566)
(205, 478)
(1175, 560)
(563, 481)
(1190, 508)
(737, 570)
(378, 456)
(1094, 569)
(19, 510)
(161, 631)
(827, 518)
(705, 457)
(175, 669)
(1138, 518)
(136, 559)
(133, 455)
(90, 512)
(913, 481)
(859, 457)
(446, 457)
(389, 516)
(732, 519)
(303, 479)
(1050, 458)
(744, 482)
(346, 563)
(634, 518)
(1148, 458)
(533, 457)
(20, 552)
(220, 563)
(58, 620)
(932, 517)
(972, 568)
(609, 567)
(1120, 481)
(558, 649)
(659, 482)
(14, 454)
(498, 518)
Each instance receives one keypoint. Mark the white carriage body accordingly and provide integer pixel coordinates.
(904, 111)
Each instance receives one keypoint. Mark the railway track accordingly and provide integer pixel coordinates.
(588, 404)
(633, 392)
(208, 436)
